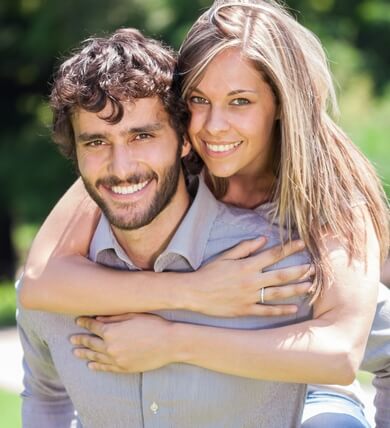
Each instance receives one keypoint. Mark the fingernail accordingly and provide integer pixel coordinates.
(73, 340)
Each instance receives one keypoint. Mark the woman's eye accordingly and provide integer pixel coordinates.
(240, 101)
(198, 100)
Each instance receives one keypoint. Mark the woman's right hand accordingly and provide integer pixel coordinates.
(232, 284)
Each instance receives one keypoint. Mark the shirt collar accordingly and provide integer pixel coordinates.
(104, 240)
(192, 235)
(189, 241)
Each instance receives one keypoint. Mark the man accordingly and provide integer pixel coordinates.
(128, 147)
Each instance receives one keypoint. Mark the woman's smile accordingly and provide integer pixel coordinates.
(221, 149)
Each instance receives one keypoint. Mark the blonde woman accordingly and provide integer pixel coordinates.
(258, 90)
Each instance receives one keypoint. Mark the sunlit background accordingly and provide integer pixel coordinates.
(35, 34)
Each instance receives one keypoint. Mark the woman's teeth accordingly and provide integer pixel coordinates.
(222, 147)
(128, 190)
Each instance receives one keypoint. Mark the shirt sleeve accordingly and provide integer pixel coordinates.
(377, 358)
(45, 402)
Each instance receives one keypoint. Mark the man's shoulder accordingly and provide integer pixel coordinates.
(233, 225)
(232, 220)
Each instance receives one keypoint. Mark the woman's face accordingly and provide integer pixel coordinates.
(233, 113)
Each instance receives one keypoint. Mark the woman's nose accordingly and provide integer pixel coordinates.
(216, 121)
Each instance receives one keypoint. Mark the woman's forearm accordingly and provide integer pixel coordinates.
(308, 352)
(101, 290)
(74, 285)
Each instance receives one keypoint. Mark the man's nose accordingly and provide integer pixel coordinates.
(122, 161)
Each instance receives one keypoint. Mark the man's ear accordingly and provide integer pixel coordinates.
(186, 147)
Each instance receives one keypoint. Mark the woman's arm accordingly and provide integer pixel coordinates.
(59, 278)
(326, 349)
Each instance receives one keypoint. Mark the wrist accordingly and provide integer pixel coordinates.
(183, 292)
(180, 343)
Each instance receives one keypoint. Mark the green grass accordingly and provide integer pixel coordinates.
(10, 410)
(7, 304)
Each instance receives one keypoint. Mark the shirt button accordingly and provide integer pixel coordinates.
(154, 407)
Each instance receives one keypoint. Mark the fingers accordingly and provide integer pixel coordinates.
(273, 310)
(244, 249)
(89, 355)
(277, 293)
(88, 341)
(273, 255)
(115, 318)
(286, 291)
(105, 367)
(285, 275)
(94, 326)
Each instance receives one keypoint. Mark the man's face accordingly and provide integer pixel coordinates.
(131, 169)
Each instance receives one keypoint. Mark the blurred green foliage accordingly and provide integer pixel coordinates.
(7, 304)
(35, 34)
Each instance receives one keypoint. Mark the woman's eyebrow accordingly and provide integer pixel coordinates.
(233, 92)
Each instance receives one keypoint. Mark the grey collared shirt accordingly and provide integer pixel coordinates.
(177, 395)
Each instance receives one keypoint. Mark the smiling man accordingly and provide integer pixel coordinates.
(132, 171)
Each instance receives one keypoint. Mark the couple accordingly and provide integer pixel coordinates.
(226, 344)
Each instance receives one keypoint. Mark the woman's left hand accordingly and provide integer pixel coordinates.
(129, 343)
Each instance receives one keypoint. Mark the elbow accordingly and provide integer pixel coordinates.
(24, 298)
(26, 294)
(346, 365)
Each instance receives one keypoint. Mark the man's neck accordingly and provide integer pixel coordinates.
(145, 244)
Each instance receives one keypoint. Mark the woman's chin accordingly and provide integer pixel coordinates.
(222, 172)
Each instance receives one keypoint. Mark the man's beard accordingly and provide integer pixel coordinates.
(162, 197)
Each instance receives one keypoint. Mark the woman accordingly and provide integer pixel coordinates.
(267, 142)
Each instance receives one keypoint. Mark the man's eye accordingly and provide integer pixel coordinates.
(143, 136)
(198, 100)
(240, 101)
(95, 143)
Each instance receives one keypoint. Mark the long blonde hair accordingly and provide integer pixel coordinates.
(320, 173)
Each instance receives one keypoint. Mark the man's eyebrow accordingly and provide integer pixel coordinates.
(150, 127)
(85, 136)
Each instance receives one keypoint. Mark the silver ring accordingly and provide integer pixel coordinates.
(262, 296)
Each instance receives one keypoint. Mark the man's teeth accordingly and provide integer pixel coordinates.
(128, 190)
(222, 148)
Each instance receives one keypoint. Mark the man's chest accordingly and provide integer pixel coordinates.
(173, 396)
